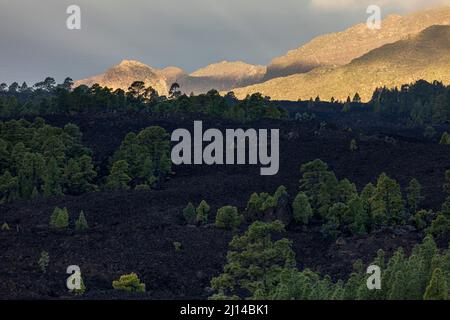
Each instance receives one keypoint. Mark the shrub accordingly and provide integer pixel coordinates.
(414, 195)
(445, 139)
(259, 203)
(421, 218)
(81, 291)
(5, 227)
(59, 219)
(178, 246)
(228, 217)
(189, 213)
(119, 179)
(440, 227)
(253, 204)
(302, 209)
(43, 261)
(202, 212)
(81, 224)
(437, 288)
(129, 283)
(353, 145)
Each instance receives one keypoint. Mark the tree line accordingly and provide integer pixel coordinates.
(47, 97)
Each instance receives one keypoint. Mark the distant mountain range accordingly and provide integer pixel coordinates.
(221, 76)
(335, 65)
(337, 49)
(423, 56)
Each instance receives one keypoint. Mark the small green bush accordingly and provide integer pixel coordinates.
(59, 219)
(129, 283)
(189, 213)
(353, 145)
(228, 217)
(440, 227)
(445, 139)
(43, 261)
(203, 212)
(178, 246)
(5, 227)
(81, 224)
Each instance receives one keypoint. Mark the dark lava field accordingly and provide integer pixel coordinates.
(134, 231)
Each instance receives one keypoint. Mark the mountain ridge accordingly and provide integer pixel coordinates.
(423, 56)
(340, 48)
(224, 75)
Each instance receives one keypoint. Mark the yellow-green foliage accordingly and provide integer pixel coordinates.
(129, 283)
(59, 219)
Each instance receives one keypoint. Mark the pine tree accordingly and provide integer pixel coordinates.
(81, 224)
(254, 205)
(228, 217)
(398, 286)
(255, 263)
(445, 139)
(357, 216)
(59, 220)
(440, 227)
(353, 145)
(302, 209)
(319, 184)
(357, 98)
(129, 283)
(79, 175)
(388, 202)
(43, 261)
(52, 180)
(189, 213)
(202, 212)
(437, 288)
(417, 280)
(118, 179)
(414, 195)
(9, 187)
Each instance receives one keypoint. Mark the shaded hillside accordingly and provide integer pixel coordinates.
(424, 56)
(340, 48)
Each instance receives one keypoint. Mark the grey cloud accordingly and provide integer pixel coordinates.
(187, 33)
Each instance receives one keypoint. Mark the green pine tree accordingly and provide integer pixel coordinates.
(437, 288)
(414, 195)
(302, 209)
(119, 179)
(202, 212)
(189, 213)
(81, 224)
(59, 220)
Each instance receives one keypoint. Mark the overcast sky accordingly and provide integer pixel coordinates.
(34, 40)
